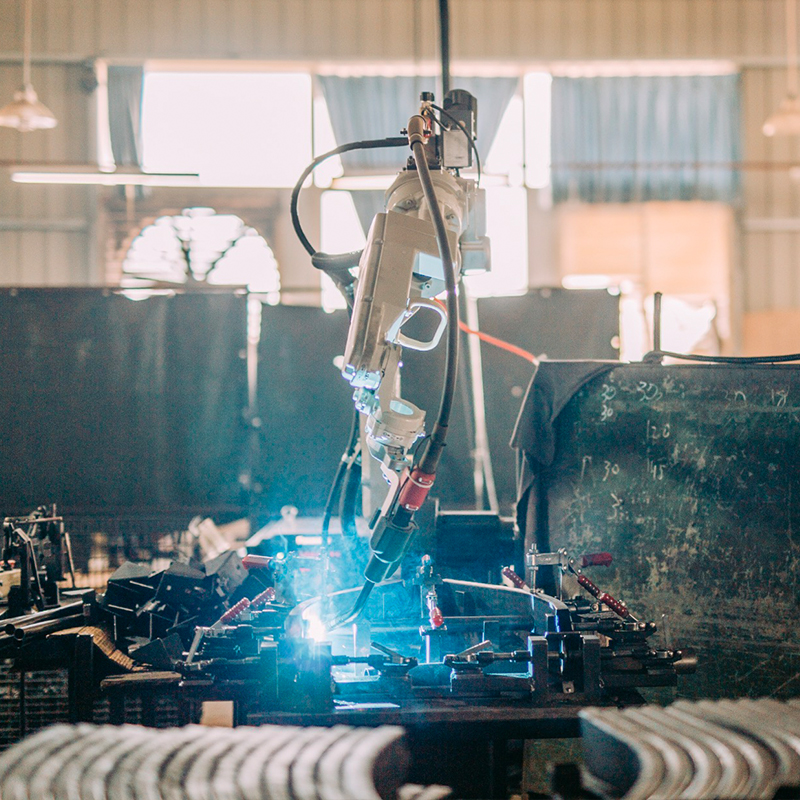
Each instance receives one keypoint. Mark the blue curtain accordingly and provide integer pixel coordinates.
(125, 88)
(375, 107)
(630, 139)
(125, 96)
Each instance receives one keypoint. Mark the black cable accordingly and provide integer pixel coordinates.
(366, 144)
(435, 445)
(358, 607)
(466, 133)
(330, 502)
(333, 492)
(349, 502)
(656, 355)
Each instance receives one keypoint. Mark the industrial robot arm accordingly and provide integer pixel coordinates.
(415, 250)
(432, 230)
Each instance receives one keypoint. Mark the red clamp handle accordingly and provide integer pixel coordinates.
(436, 617)
(509, 573)
(267, 596)
(234, 611)
(596, 560)
(614, 604)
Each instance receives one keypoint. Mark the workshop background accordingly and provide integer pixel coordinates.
(631, 161)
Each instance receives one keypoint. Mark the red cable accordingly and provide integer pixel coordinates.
(503, 345)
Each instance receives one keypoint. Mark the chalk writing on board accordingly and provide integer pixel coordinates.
(779, 397)
(690, 476)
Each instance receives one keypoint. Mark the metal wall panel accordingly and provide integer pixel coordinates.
(45, 231)
(354, 29)
(750, 32)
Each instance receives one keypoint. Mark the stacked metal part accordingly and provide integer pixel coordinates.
(707, 749)
(85, 762)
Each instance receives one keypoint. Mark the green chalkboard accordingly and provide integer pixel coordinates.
(690, 476)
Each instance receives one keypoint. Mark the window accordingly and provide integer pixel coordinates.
(340, 232)
(232, 128)
(507, 228)
(504, 174)
(202, 246)
(261, 129)
(507, 157)
(536, 91)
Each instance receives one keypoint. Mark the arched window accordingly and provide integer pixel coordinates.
(199, 246)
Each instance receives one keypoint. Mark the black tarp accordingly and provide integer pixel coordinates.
(305, 408)
(121, 405)
(556, 323)
(109, 403)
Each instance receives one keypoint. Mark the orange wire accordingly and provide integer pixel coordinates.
(503, 345)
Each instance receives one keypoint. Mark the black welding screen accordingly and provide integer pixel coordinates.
(560, 323)
(114, 404)
(109, 403)
(305, 407)
(690, 476)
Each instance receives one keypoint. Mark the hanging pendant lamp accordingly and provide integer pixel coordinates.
(786, 120)
(25, 112)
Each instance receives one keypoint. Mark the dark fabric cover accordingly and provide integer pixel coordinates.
(550, 389)
(305, 406)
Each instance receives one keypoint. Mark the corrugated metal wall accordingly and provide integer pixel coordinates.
(45, 231)
(750, 32)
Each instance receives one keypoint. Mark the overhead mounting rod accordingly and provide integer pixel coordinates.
(444, 44)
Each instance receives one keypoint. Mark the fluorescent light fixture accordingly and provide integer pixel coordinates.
(786, 120)
(641, 68)
(25, 112)
(365, 183)
(354, 183)
(587, 281)
(94, 177)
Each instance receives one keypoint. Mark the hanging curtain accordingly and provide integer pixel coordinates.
(125, 88)
(637, 138)
(125, 94)
(376, 107)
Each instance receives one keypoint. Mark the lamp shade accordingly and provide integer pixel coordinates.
(26, 113)
(786, 120)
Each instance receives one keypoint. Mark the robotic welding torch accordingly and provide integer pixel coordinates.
(414, 251)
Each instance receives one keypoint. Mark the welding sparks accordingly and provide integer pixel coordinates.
(314, 628)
